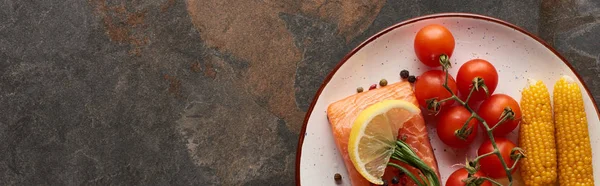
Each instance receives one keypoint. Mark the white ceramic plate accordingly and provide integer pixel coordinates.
(516, 54)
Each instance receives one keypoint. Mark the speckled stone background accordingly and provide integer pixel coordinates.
(201, 92)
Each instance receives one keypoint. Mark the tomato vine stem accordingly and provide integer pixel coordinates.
(506, 114)
(476, 160)
(465, 130)
(480, 83)
(519, 156)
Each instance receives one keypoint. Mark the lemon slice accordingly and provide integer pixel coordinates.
(373, 136)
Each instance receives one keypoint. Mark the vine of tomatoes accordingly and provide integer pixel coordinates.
(476, 80)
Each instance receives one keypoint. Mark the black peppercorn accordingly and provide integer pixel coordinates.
(412, 79)
(385, 183)
(337, 177)
(404, 74)
(395, 180)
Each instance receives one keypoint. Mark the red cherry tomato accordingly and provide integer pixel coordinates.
(457, 178)
(471, 70)
(429, 85)
(491, 165)
(450, 121)
(431, 42)
(491, 110)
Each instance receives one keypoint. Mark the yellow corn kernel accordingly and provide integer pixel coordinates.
(536, 136)
(572, 137)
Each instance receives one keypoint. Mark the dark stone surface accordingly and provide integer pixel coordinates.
(317, 39)
(164, 92)
(573, 27)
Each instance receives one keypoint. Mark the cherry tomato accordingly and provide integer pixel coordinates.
(491, 110)
(429, 85)
(431, 42)
(450, 121)
(457, 178)
(491, 165)
(471, 70)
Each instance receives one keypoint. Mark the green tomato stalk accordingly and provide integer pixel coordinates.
(472, 166)
(428, 177)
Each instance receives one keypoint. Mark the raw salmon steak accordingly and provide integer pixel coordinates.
(341, 115)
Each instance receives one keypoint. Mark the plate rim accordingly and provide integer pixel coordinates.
(409, 21)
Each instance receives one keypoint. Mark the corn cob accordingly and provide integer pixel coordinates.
(572, 137)
(536, 136)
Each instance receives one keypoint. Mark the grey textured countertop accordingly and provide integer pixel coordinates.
(172, 92)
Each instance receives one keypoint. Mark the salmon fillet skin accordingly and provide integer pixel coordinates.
(342, 113)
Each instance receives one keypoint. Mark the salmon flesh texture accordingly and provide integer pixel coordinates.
(342, 113)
